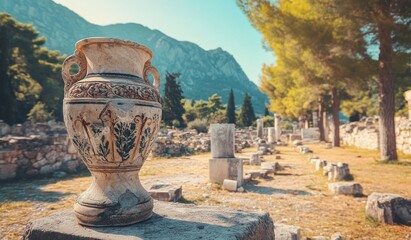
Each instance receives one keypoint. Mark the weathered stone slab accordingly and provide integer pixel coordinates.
(346, 188)
(230, 185)
(287, 232)
(255, 159)
(222, 140)
(226, 168)
(169, 221)
(389, 208)
(166, 192)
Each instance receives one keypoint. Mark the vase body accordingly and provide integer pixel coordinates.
(112, 114)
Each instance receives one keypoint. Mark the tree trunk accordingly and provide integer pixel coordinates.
(388, 148)
(320, 118)
(336, 117)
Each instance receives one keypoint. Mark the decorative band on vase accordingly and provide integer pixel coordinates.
(118, 75)
(112, 90)
(114, 169)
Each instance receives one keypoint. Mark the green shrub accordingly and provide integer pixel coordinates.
(200, 125)
(39, 113)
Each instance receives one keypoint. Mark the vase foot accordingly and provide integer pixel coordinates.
(112, 215)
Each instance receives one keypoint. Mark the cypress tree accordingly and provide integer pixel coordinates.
(172, 107)
(231, 108)
(247, 115)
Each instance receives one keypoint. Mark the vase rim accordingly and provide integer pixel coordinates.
(86, 41)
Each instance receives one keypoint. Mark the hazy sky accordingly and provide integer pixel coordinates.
(208, 23)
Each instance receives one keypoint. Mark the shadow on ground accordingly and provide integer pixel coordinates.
(30, 190)
(270, 190)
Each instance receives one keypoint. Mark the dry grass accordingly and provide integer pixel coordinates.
(297, 196)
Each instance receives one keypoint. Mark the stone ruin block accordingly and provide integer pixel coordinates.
(170, 221)
(286, 232)
(166, 192)
(320, 164)
(389, 208)
(226, 168)
(339, 172)
(222, 140)
(346, 188)
(255, 159)
(230, 185)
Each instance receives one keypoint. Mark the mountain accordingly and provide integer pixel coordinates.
(202, 72)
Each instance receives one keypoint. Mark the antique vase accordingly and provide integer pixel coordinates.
(112, 114)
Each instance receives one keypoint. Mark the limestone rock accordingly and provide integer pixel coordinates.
(230, 185)
(166, 192)
(389, 208)
(346, 188)
(169, 221)
(337, 236)
(286, 232)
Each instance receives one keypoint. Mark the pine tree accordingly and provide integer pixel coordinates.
(230, 111)
(247, 115)
(29, 73)
(172, 101)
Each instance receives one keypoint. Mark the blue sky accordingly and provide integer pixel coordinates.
(208, 23)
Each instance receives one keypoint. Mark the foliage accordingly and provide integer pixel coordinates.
(230, 110)
(247, 115)
(39, 113)
(201, 125)
(212, 111)
(29, 72)
(268, 121)
(173, 101)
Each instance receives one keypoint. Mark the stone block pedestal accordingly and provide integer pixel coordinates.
(169, 221)
(226, 168)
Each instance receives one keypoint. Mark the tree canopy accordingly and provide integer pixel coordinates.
(29, 73)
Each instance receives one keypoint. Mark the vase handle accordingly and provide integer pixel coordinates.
(151, 69)
(79, 59)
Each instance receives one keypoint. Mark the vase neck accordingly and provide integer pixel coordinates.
(115, 58)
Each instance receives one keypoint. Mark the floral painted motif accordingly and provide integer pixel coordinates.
(125, 135)
(110, 90)
(114, 140)
(83, 147)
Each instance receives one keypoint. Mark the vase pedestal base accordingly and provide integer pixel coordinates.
(169, 221)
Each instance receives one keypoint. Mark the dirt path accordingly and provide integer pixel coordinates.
(297, 196)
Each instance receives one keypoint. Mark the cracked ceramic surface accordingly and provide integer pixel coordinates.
(112, 114)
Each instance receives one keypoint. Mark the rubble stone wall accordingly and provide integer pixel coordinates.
(28, 151)
(365, 134)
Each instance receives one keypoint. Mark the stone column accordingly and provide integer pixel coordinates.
(271, 135)
(277, 127)
(223, 164)
(407, 95)
(260, 128)
(326, 127)
(222, 140)
(315, 119)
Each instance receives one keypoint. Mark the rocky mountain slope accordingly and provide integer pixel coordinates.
(202, 72)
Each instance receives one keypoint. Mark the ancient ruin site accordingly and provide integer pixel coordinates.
(205, 120)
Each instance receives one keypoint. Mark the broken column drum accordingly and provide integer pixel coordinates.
(271, 135)
(112, 114)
